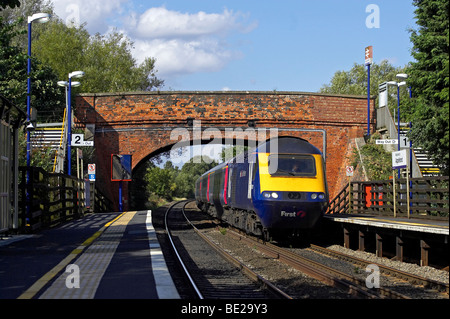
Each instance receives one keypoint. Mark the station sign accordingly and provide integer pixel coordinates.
(404, 141)
(78, 140)
(399, 159)
(387, 142)
(349, 170)
(368, 57)
(91, 172)
(120, 167)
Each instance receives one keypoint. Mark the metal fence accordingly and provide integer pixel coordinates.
(428, 198)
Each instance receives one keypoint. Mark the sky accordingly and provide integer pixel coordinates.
(249, 45)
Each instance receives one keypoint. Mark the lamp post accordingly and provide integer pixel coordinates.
(75, 74)
(66, 84)
(41, 18)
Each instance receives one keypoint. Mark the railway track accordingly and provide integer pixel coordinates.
(213, 273)
(389, 271)
(319, 271)
(350, 280)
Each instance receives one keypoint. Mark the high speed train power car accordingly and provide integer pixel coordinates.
(268, 192)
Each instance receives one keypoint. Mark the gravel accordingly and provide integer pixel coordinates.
(424, 271)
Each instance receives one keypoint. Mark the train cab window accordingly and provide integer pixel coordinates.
(292, 165)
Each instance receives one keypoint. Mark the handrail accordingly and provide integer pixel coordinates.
(63, 133)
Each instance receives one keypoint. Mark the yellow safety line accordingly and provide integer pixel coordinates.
(41, 282)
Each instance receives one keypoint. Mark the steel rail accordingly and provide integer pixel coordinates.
(243, 268)
(186, 271)
(414, 279)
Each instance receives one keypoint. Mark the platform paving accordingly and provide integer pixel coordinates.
(101, 256)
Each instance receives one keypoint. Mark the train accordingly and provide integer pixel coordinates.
(278, 188)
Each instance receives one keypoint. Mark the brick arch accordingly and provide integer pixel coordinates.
(142, 123)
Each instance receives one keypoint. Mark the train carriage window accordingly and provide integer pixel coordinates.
(292, 165)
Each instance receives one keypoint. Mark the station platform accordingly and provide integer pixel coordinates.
(427, 235)
(410, 224)
(101, 256)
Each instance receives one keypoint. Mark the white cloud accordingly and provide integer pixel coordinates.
(176, 57)
(182, 43)
(163, 23)
(92, 12)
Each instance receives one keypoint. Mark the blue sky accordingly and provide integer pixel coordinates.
(264, 45)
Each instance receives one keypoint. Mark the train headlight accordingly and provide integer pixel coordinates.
(268, 195)
(313, 196)
(321, 196)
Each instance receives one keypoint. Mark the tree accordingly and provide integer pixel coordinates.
(429, 78)
(354, 82)
(46, 97)
(161, 181)
(9, 3)
(106, 59)
(189, 174)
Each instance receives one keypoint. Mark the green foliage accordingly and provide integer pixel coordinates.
(429, 78)
(106, 59)
(42, 157)
(46, 97)
(354, 82)
(9, 3)
(164, 184)
(232, 151)
(161, 181)
(377, 161)
(189, 173)
(58, 50)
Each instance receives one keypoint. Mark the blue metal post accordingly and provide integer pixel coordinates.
(29, 97)
(28, 196)
(368, 100)
(120, 197)
(398, 121)
(69, 130)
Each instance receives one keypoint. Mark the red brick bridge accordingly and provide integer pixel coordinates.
(141, 124)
